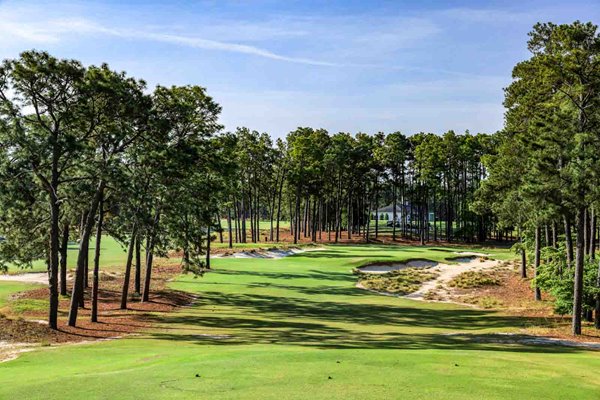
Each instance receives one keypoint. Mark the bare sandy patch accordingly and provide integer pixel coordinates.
(447, 272)
(28, 277)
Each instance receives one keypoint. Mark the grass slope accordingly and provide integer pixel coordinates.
(296, 328)
(7, 289)
(114, 255)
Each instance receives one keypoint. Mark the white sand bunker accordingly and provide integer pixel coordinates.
(444, 273)
(471, 253)
(270, 253)
(10, 351)
(28, 277)
(385, 268)
(447, 272)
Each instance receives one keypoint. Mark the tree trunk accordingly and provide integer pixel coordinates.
(138, 264)
(97, 260)
(376, 208)
(63, 259)
(150, 256)
(279, 209)
(229, 227)
(568, 241)
(578, 282)
(297, 218)
(314, 221)
(394, 217)
(538, 293)
(592, 236)
(243, 224)
(523, 261)
(597, 311)
(349, 216)
(77, 294)
(53, 264)
(220, 228)
(208, 247)
(126, 278)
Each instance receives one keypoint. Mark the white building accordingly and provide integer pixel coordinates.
(387, 213)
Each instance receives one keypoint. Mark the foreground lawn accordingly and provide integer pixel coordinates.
(296, 328)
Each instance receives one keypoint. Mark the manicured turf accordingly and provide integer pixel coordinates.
(296, 328)
(113, 256)
(7, 289)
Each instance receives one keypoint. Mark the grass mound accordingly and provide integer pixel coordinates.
(474, 279)
(398, 282)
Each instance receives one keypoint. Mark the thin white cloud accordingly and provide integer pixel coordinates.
(489, 15)
(216, 45)
(356, 41)
(38, 31)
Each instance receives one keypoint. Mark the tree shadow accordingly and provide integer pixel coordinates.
(337, 254)
(311, 274)
(268, 319)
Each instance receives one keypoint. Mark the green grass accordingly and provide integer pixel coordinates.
(11, 306)
(24, 305)
(8, 289)
(297, 328)
(112, 257)
(263, 224)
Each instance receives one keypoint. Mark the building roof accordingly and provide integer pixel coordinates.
(390, 209)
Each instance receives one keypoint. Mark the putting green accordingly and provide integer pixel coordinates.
(296, 328)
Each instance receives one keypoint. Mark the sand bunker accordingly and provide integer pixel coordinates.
(28, 277)
(385, 268)
(471, 253)
(10, 351)
(269, 254)
(446, 272)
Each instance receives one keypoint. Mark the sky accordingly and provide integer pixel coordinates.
(350, 66)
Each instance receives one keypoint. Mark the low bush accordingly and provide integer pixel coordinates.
(398, 282)
(473, 279)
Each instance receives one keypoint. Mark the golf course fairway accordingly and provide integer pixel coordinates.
(298, 328)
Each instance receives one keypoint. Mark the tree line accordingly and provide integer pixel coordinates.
(331, 187)
(543, 178)
(88, 151)
(85, 151)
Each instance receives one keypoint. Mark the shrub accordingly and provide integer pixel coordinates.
(398, 282)
(473, 279)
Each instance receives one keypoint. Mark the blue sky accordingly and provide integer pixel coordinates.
(349, 66)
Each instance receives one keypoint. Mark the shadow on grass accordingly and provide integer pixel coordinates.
(268, 319)
(337, 254)
(312, 274)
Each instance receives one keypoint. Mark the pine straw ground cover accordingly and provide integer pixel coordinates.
(22, 317)
(502, 289)
(400, 282)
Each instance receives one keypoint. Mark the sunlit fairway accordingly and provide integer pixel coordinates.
(114, 254)
(297, 328)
